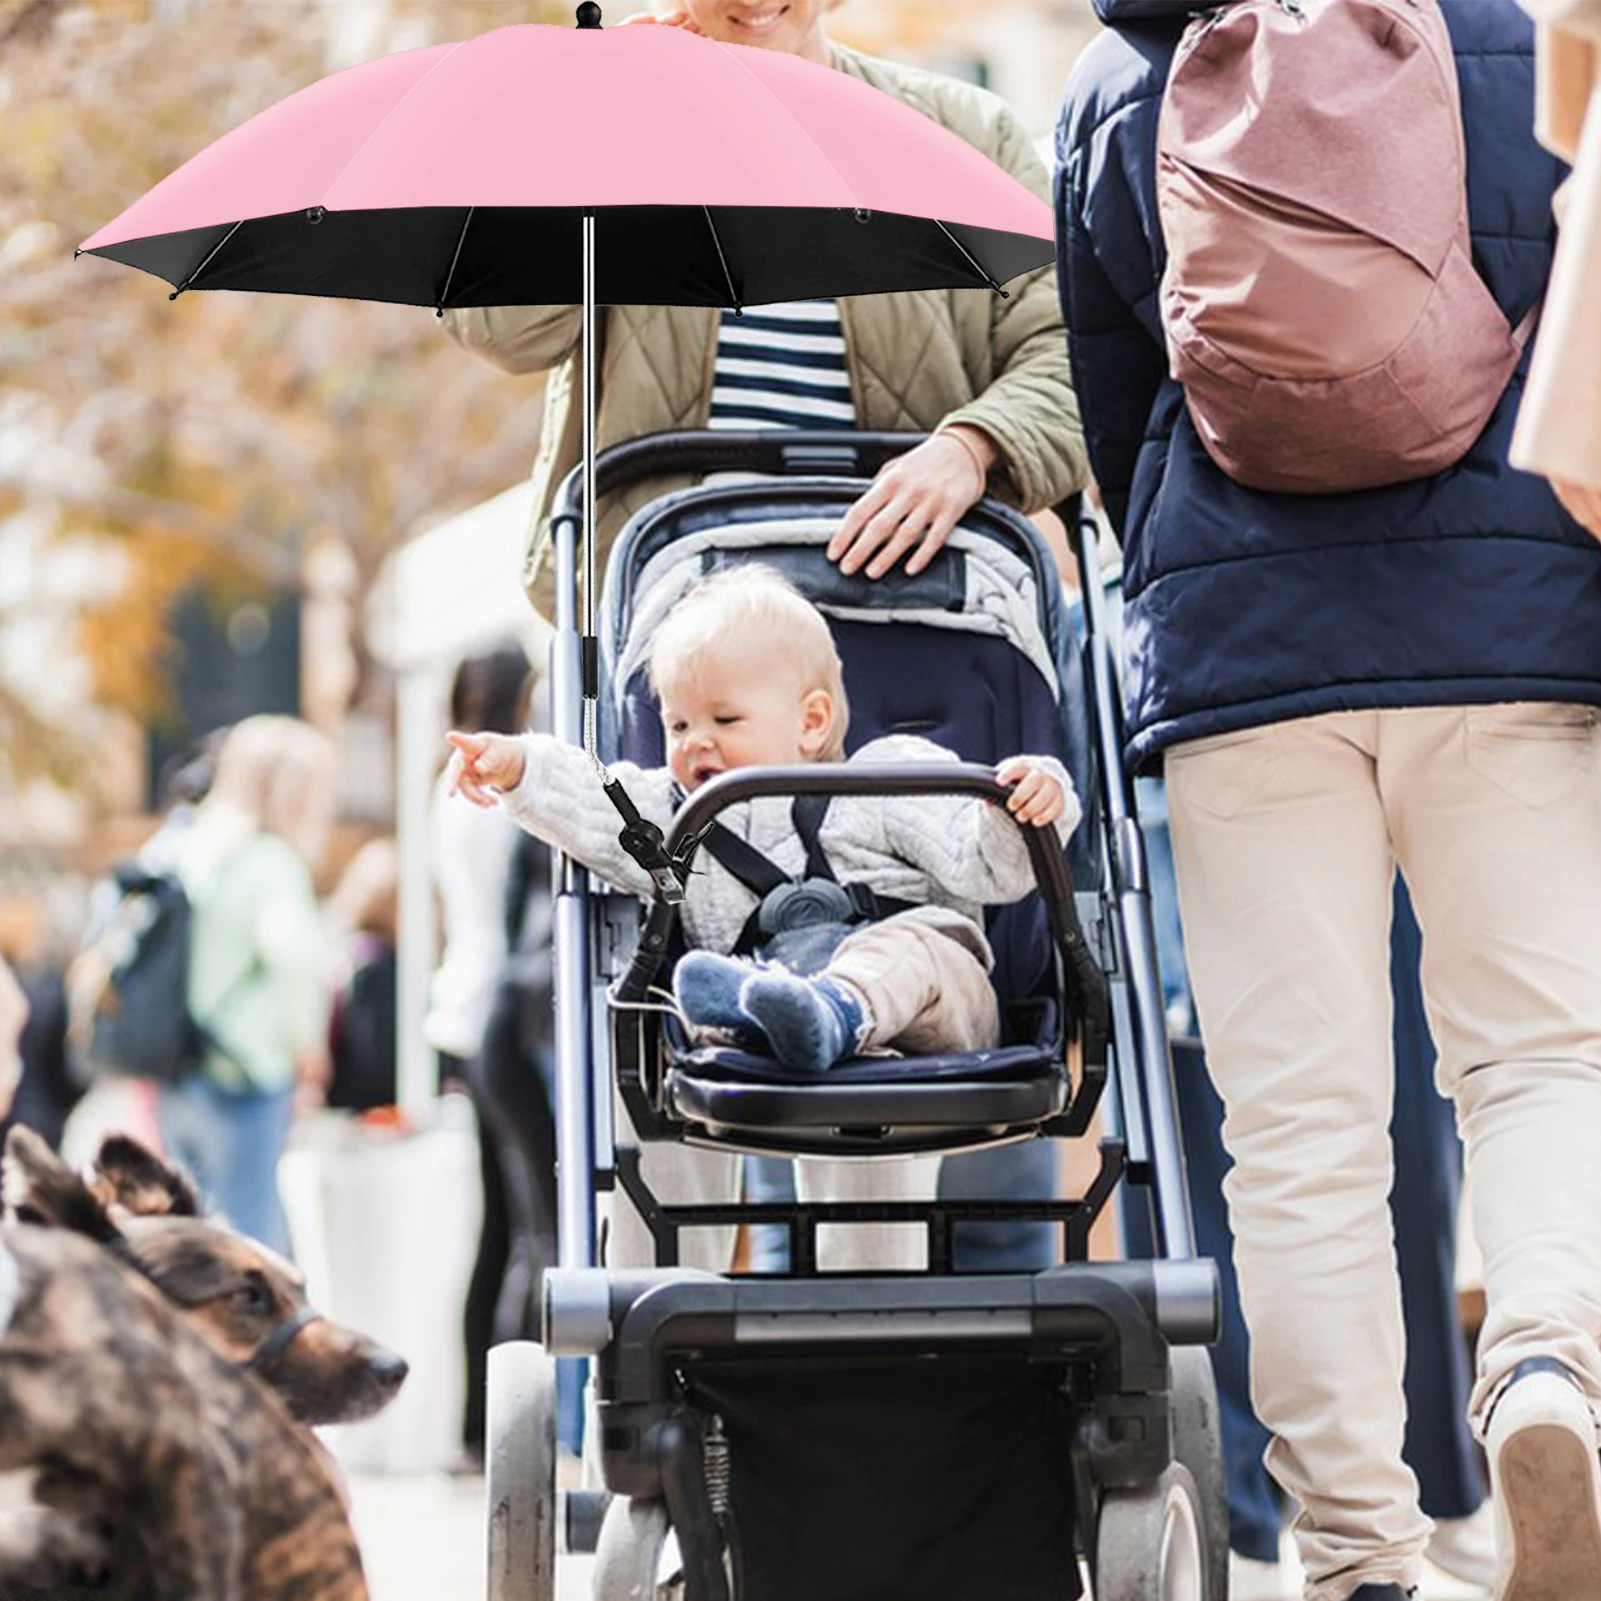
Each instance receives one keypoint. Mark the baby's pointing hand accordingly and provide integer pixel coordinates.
(483, 766)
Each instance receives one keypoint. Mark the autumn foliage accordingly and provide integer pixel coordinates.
(210, 439)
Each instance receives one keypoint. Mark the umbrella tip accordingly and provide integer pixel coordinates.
(589, 15)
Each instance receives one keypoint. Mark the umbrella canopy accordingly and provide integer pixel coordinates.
(460, 175)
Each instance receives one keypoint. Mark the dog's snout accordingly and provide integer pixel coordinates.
(390, 1369)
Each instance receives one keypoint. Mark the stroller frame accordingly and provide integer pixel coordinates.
(1145, 1444)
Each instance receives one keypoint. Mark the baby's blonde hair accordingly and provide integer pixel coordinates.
(756, 605)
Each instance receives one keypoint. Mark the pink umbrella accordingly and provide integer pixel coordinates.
(536, 165)
(461, 174)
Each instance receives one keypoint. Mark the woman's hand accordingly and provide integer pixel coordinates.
(665, 19)
(484, 766)
(1036, 796)
(1581, 503)
(914, 503)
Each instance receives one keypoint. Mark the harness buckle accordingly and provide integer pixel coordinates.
(804, 903)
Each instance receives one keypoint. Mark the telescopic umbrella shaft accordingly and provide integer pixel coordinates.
(590, 645)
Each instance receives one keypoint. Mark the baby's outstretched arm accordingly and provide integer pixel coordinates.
(553, 789)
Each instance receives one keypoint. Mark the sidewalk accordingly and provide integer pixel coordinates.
(422, 1539)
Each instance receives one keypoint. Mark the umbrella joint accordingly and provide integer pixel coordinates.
(972, 261)
(450, 276)
(728, 277)
(210, 256)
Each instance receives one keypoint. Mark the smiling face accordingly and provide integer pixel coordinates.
(727, 707)
(792, 25)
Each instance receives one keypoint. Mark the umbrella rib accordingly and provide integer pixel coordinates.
(970, 260)
(207, 262)
(728, 277)
(383, 122)
(800, 127)
(444, 294)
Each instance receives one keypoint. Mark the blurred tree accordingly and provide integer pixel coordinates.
(203, 442)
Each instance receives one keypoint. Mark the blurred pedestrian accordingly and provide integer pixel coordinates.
(50, 1085)
(1559, 427)
(13, 1019)
(1338, 684)
(364, 920)
(470, 856)
(257, 973)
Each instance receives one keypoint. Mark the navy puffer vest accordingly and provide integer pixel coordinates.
(1244, 608)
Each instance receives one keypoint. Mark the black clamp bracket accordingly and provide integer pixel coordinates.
(644, 841)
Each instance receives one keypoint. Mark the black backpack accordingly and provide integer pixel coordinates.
(128, 987)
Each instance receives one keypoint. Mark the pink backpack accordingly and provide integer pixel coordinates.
(1320, 301)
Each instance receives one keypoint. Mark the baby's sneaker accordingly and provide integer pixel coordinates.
(809, 1022)
(707, 987)
(1546, 1480)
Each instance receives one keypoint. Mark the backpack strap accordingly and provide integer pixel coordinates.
(1524, 331)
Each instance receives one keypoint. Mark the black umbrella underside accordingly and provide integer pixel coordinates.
(449, 256)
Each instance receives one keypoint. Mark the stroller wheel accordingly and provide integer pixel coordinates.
(520, 1468)
(1198, 1444)
(637, 1557)
(1149, 1544)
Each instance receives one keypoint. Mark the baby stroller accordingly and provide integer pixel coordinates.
(887, 1436)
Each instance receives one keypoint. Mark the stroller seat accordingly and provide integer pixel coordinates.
(969, 654)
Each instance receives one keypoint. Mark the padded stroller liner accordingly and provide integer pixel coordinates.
(1013, 1064)
(870, 1479)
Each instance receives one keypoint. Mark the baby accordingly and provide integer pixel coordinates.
(746, 673)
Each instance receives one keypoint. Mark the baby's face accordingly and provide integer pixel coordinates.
(733, 709)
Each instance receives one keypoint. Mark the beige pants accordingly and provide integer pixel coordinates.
(1286, 839)
(927, 993)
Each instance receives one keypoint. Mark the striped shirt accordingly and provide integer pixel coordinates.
(782, 367)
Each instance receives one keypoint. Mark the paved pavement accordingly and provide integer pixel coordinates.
(422, 1539)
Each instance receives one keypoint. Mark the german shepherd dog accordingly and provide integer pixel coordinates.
(151, 1461)
(245, 1300)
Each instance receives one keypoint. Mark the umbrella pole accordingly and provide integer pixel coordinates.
(641, 839)
(590, 645)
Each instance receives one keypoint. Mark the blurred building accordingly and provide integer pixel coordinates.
(365, 662)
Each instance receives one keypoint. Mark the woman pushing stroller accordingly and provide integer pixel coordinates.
(893, 952)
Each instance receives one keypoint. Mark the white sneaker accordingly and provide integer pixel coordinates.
(1250, 1580)
(1546, 1481)
(1464, 1548)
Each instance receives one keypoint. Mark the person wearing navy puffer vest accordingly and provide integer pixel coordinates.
(1336, 686)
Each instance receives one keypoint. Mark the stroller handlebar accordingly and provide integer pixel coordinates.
(774, 452)
(866, 778)
(780, 452)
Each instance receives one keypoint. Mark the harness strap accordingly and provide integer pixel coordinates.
(758, 873)
(277, 1342)
(807, 814)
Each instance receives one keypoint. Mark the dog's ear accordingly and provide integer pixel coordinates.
(38, 1187)
(130, 1175)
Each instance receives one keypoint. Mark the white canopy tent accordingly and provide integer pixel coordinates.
(453, 589)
